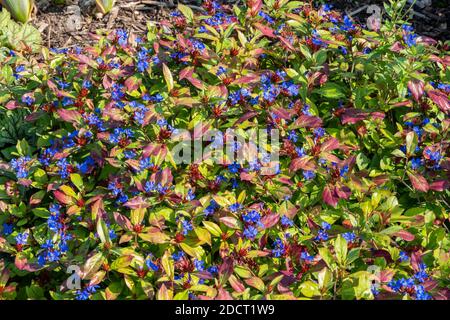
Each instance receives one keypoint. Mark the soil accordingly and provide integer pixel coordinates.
(61, 30)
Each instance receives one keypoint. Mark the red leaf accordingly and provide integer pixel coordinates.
(246, 79)
(11, 105)
(230, 222)
(226, 270)
(440, 99)
(136, 203)
(21, 263)
(416, 88)
(123, 221)
(268, 32)
(304, 163)
(305, 121)
(237, 285)
(439, 185)
(353, 115)
(419, 182)
(245, 117)
(254, 6)
(223, 294)
(329, 197)
(69, 115)
(330, 144)
(132, 83)
(405, 235)
(343, 192)
(61, 197)
(186, 73)
(270, 220)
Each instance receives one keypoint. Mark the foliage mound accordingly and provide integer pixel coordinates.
(357, 208)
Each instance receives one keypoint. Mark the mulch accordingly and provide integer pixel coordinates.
(60, 30)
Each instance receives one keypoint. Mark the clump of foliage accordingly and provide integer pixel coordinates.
(105, 6)
(20, 9)
(358, 207)
(18, 36)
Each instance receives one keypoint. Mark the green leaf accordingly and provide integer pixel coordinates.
(331, 90)
(77, 181)
(213, 228)
(186, 11)
(309, 289)
(19, 9)
(103, 232)
(327, 257)
(340, 247)
(411, 142)
(168, 77)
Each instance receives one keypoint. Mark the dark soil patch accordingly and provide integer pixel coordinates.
(58, 30)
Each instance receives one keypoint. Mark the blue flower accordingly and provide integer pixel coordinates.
(349, 236)
(120, 133)
(22, 238)
(221, 70)
(421, 294)
(115, 187)
(122, 37)
(266, 17)
(279, 248)
(63, 168)
(250, 232)
(292, 135)
(213, 269)
(86, 165)
(416, 163)
(319, 132)
(178, 255)
(308, 174)
(235, 207)
(286, 222)
(20, 166)
(403, 256)
(252, 216)
(410, 39)
(186, 226)
(190, 195)
(199, 265)
(322, 236)
(211, 208)
(305, 256)
(344, 170)
(149, 263)
(145, 163)
(7, 229)
(326, 226)
(28, 100)
(234, 167)
(112, 234)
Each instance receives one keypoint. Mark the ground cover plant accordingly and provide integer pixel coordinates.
(356, 206)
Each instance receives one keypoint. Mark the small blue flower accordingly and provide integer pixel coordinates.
(308, 174)
(250, 232)
(151, 265)
(199, 265)
(403, 256)
(7, 229)
(22, 238)
(186, 226)
(252, 216)
(286, 222)
(235, 207)
(349, 236)
(279, 248)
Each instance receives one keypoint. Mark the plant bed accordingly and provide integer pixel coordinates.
(348, 199)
